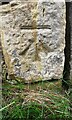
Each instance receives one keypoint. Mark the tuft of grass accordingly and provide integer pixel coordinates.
(33, 111)
(42, 101)
(39, 107)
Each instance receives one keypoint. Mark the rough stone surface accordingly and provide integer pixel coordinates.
(33, 39)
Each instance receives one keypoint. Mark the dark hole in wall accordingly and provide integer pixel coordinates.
(66, 72)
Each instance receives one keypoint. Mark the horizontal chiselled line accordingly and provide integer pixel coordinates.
(37, 27)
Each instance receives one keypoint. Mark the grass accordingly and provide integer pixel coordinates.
(33, 111)
(39, 101)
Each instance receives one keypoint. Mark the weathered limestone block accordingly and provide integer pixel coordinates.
(33, 39)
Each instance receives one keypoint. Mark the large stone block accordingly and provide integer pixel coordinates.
(33, 39)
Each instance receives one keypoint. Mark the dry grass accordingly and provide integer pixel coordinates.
(39, 101)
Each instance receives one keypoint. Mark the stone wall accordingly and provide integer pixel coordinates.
(33, 39)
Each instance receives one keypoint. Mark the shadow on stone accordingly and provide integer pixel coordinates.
(66, 72)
